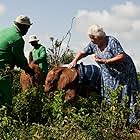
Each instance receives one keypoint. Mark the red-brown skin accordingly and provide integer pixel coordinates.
(62, 78)
(67, 79)
(27, 81)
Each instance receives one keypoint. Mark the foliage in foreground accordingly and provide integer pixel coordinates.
(40, 117)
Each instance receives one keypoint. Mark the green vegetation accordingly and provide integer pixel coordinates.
(59, 54)
(35, 116)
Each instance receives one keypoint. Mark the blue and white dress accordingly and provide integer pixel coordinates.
(121, 73)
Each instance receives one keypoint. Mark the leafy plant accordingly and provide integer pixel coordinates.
(60, 52)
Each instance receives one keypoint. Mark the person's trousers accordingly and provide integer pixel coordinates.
(6, 90)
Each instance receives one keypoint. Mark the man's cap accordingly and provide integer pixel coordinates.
(33, 38)
(23, 20)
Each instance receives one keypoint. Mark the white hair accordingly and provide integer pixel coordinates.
(96, 30)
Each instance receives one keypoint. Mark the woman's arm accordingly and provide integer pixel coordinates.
(115, 59)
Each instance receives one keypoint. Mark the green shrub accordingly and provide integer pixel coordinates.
(38, 117)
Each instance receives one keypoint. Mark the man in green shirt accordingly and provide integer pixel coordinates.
(11, 54)
(38, 55)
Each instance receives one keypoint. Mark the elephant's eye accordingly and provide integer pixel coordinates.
(49, 81)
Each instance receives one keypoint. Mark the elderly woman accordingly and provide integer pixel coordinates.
(116, 66)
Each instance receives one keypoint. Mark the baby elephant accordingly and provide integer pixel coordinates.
(27, 81)
(81, 80)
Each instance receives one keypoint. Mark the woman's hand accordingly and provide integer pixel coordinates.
(78, 56)
(100, 60)
(72, 64)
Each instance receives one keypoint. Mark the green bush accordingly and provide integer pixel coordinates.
(38, 117)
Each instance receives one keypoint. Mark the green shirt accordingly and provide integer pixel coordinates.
(12, 48)
(40, 56)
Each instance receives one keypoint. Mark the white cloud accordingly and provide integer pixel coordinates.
(2, 9)
(117, 19)
(127, 10)
(121, 21)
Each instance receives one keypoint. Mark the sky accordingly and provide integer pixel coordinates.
(53, 18)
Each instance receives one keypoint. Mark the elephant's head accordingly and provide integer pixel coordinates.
(38, 76)
(26, 81)
(62, 78)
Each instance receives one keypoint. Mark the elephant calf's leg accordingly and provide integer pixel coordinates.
(25, 81)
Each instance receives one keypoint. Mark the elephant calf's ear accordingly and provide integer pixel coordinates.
(67, 76)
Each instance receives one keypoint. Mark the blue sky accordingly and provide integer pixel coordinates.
(119, 18)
